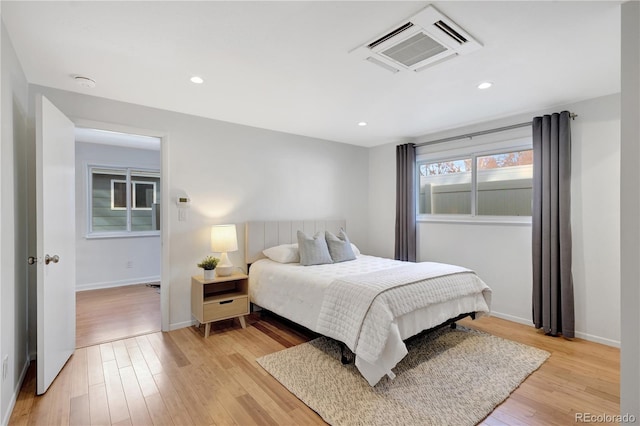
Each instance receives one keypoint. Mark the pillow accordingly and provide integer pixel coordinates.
(285, 253)
(355, 249)
(339, 246)
(313, 251)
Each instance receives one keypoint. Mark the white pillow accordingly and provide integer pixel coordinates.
(355, 249)
(285, 253)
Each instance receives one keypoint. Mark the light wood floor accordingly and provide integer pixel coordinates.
(181, 378)
(110, 314)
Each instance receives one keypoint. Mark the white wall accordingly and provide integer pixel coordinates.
(382, 200)
(233, 174)
(13, 213)
(501, 254)
(112, 262)
(2, 218)
(595, 218)
(630, 211)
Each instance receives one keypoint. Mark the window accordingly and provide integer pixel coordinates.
(505, 184)
(123, 201)
(488, 184)
(144, 195)
(118, 194)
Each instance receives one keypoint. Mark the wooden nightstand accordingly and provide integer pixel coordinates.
(219, 298)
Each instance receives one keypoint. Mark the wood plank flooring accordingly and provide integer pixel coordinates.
(109, 314)
(183, 379)
(579, 377)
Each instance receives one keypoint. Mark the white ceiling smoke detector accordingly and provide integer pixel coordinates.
(84, 81)
(423, 40)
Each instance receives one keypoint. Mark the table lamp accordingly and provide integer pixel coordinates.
(223, 240)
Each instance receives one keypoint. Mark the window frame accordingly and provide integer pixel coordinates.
(113, 198)
(464, 150)
(134, 184)
(460, 157)
(129, 171)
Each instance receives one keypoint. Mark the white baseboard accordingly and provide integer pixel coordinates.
(512, 318)
(598, 339)
(579, 334)
(183, 324)
(519, 320)
(120, 283)
(16, 391)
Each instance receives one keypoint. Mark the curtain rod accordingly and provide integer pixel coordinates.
(483, 132)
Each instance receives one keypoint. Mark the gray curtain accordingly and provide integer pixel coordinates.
(405, 202)
(553, 309)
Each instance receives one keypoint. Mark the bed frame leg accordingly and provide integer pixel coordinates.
(345, 354)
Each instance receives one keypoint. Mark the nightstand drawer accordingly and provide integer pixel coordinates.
(226, 308)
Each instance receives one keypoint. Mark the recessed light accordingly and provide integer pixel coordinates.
(197, 80)
(485, 85)
(362, 124)
(84, 81)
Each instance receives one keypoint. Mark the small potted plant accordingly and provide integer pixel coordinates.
(209, 264)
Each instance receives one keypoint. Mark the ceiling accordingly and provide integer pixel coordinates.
(286, 65)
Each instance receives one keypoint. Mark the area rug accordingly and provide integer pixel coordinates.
(450, 377)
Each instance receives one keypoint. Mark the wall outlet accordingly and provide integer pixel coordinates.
(5, 367)
(129, 264)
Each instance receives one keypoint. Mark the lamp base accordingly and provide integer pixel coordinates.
(225, 267)
(224, 271)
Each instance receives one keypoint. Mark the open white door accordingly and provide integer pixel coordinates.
(55, 211)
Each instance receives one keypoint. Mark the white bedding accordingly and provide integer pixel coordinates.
(297, 292)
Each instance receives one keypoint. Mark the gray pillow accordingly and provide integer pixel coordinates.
(339, 246)
(313, 251)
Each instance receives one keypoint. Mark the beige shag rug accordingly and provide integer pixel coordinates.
(450, 377)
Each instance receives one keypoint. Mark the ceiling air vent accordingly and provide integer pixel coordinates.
(425, 39)
(390, 35)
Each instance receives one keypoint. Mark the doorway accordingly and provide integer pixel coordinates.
(118, 198)
(108, 314)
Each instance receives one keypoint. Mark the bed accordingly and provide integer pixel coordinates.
(370, 304)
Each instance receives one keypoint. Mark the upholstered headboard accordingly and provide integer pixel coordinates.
(262, 235)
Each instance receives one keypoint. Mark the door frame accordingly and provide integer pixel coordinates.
(165, 266)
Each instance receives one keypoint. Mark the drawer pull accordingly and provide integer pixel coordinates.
(225, 302)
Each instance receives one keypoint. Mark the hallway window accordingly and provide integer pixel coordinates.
(123, 201)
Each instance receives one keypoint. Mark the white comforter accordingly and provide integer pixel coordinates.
(371, 304)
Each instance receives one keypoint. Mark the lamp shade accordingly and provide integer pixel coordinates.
(224, 238)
